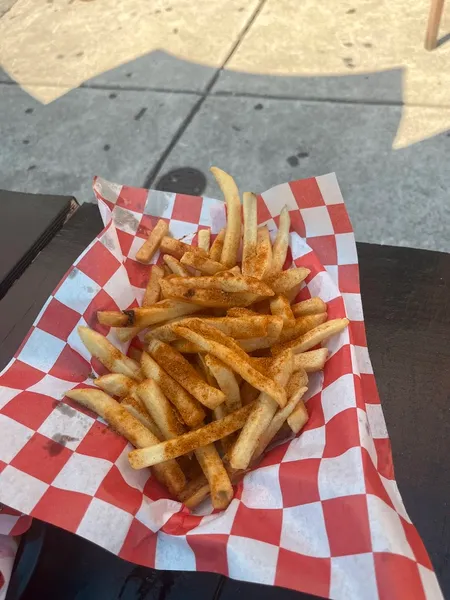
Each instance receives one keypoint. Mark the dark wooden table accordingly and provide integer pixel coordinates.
(406, 304)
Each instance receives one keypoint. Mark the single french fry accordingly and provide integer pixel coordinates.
(216, 248)
(111, 318)
(202, 263)
(236, 327)
(233, 360)
(263, 261)
(189, 408)
(286, 280)
(298, 379)
(252, 344)
(227, 382)
(168, 473)
(151, 245)
(204, 239)
(177, 248)
(298, 418)
(110, 356)
(313, 337)
(225, 281)
(277, 422)
(261, 416)
(311, 361)
(160, 409)
(250, 233)
(227, 442)
(206, 298)
(153, 289)
(199, 491)
(219, 482)
(136, 408)
(208, 376)
(280, 307)
(262, 364)
(175, 266)
(312, 306)
(185, 347)
(281, 243)
(241, 312)
(216, 430)
(183, 372)
(233, 229)
(116, 384)
(302, 325)
(159, 312)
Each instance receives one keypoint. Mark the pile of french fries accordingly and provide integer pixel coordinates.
(226, 358)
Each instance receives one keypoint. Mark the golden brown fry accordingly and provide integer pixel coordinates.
(233, 229)
(216, 249)
(261, 416)
(313, 337)
(160, 409)
(225, 281)
(302, 325)
(250, 233)
(309, 307)
(278, 420)
(263, 261)
(190, 441)
(297, 380)
(218, 479)
(280, 307)
(153, 289)
(124, 423)
(111, 318)
(226, 380)
(213, 333)
(189, 408)
(151, 245)
(177, 248)
(298, 418)
(185, 347)
(241, 327)
(159, 312)
(241, 312)
(227, 442)
(286, 280)
(116, 384)
(183, 372)
(136, 408)
(264, 364)
(175, 266)
(233, 360)
(202, 263)
(253, 344)
(281, 243)
(204, 239)
(311, 361)
(206, 298)
(110, 356)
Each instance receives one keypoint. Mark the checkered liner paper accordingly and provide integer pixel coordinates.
(321, 513)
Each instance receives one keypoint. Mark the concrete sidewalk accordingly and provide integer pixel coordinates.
(135, 90)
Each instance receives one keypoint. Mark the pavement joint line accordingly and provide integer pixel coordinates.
(153, 173)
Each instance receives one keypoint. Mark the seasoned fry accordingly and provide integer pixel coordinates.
(261, 416)
(160, 409)
(250, 233)
(204, 239)
(159, 312)
(110, 356)
(298, 418)
(225, 281)
(313, 337)
(153, 289)
(136, 408)
(311, 361)
(286, 280)
(263, 261)
(195, 492)
(253, 344)
(189, 408)
(202, 263)
(216, 249)
(111, 318)
(177, 248)
(124, 423)
(312, 306)
(185, 347)
(241, 327)
(116, 384)
(185, 374)
(216, 474)
(190, 441)
(175, 266)
(226, 380)
(281, 242)
(263, 365)
(233, 360)
(227, 442)
(280, 306)
(278, 420)
(209, 331)
(233, 229)
(302, 325)
(206, 298)
(297, 380)
(151, 245)
(241, 312)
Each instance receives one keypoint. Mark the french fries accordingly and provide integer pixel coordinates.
(226, 360)
(233, 229)
(151, 245)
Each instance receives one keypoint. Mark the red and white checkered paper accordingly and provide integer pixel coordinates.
(321, 513)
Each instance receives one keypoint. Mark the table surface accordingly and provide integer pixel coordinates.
(405, 296)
